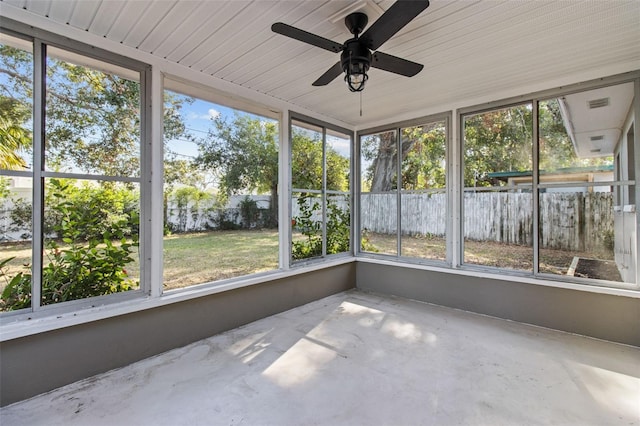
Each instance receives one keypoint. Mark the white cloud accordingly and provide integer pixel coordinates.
(211, 113)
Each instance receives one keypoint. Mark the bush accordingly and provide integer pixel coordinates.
(109, 206)
(249, 212)
(87, 260)
(311, 246)
(338, 229)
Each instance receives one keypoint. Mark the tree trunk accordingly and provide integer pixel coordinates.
(272, 221)
(385, 165)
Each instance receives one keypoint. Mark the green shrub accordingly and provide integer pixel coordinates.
(249, 212)
(311, 246)
(88, 258)
(338, 229)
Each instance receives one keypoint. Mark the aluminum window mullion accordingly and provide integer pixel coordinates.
(398, 131)
(450, 184)
(458, 259)
(354, 199)
(636, 141)
(151, 220)
(37, 214)
(535, 192)
(84, 176)
(324, 191)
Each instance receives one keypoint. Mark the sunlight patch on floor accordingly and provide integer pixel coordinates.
(612, 390)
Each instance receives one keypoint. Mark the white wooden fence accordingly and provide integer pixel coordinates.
(568, 221)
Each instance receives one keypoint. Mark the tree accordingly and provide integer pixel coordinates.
(15, 136)
(306, 163)
(16, 88)
(502, 141)
(422, 149)
(497, 141)
(244, 153)
(423, 164)
(92, 117)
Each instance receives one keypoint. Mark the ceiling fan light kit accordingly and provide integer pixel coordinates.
(356, 57)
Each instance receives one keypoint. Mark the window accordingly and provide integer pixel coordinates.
(379, 192)
(220, 192)
(16, 182)
(563, 211)
(497, 199)
(581, 231)
(320, 193)
(71, 198)
(405, 217)
(423, 197)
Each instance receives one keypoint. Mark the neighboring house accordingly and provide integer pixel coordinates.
(577, 175)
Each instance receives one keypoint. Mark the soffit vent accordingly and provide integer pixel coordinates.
(598, 103)
(596, 138)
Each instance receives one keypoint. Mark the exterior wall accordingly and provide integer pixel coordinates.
(35, 364)
(625, 220)
(603, 316)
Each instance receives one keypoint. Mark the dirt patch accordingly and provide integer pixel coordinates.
(597, 269)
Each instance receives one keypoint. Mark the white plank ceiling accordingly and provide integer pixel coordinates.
(470, 49)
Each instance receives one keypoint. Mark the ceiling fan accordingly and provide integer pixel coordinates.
(356, 57)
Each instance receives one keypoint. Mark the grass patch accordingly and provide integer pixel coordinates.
(197, 258)
(486, 253)
(211, 256)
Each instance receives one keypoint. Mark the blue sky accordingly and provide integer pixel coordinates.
(197, 117)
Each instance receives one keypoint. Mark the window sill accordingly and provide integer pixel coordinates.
(15, 327)
(631, 291)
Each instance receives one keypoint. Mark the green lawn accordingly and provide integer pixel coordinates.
(203, 257)
(486, 253)
(189, 258)
(211, 256)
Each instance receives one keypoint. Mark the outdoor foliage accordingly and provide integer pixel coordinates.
(497, 141)
(502, 141)
(306, 163)
(423, 163)
(15, 136)
(188, 201)
(249, 212)
(101, 208)
(338, 229)
(88, 259)
(423, 152)
(244, 153)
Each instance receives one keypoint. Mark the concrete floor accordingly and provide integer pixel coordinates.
(361, 359)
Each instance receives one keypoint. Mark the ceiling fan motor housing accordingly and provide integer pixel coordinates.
(356, 22)
(355, 58)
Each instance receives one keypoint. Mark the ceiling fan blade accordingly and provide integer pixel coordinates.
(395, 65)
(392, 21)
(329, 75)
(306, 37)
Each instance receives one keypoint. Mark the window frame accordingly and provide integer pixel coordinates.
(40, 40)
(323, 192)
(617, 185)
(191, 89)
(397, 128)
(498, 189)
